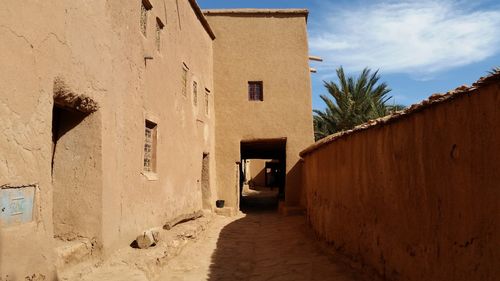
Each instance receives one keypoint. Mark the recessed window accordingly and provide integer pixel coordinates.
(150, 136)
(184, 79)
(159, 27)
(195, 93)
(255, 91)
(207, 101)
(145, 7)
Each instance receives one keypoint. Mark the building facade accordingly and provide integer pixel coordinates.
(114, 115)
(263, 103)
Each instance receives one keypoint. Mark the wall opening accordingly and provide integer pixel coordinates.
(159, 28)
(184, 79)
(255, 91)
(63, 120)
(262, 173)
(150, 144)
(205, 182)
(76, 148)
(195, 93)
(145, 7)
(207, 102)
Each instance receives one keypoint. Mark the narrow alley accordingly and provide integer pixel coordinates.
(257, 246)
(171, 140)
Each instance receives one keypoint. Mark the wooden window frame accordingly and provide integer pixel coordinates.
(159, 28)
(150, 146)
(195, 93)
(184, 79)
(207, 102)
(255, 91)
(145, 8)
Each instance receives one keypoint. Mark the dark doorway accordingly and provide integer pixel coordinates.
(205, 182)
(274, 173)
(262, 173)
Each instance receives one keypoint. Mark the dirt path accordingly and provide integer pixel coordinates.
(257, 246)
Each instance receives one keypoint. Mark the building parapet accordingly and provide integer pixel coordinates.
(291, 12)
(202, 19)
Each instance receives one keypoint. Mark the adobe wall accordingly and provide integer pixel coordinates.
(40, 42)
(258, 171)
(97, 48)
(76, 178)
(268, 47)
(134, 201)
(417, 197)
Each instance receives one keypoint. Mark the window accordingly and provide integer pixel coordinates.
(184, 79)
(145, 7)
(150, 147)
(195, 93)
(207, 101)
(255, 91)
(159, 27)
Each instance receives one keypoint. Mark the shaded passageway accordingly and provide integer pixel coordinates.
(262, 174)
(257, 246)
(258, 198)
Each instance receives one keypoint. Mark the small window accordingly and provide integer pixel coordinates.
(195, 93)
(159, 27)
(255, 91)
(150, 147)
(207, 101)
(184, 79)
(145, 7)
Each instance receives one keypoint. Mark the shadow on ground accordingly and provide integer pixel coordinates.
(251, 204)
(264, 245)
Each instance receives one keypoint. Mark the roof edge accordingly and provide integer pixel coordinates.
(202, 19)
(252, 11)
(433, 100)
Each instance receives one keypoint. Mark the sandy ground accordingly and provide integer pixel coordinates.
(256, 246)
(141, 264)
(259, 191)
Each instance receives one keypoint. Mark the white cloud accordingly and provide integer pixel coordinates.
(416, 37)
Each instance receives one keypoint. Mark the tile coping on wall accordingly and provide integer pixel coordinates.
(431, 101)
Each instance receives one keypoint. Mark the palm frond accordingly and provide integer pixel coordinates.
(351, 101)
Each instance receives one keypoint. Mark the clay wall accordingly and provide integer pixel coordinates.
(415, 197)
(185, 131)
(76, 177)
(41, 41)
(268, 46)
(258, 171)
(98, 50)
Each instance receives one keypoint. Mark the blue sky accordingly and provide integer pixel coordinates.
(420, 47)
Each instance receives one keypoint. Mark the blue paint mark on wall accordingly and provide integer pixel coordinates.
(16, 205)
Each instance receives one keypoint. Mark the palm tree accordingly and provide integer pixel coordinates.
(395, 107)
(355, 101)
